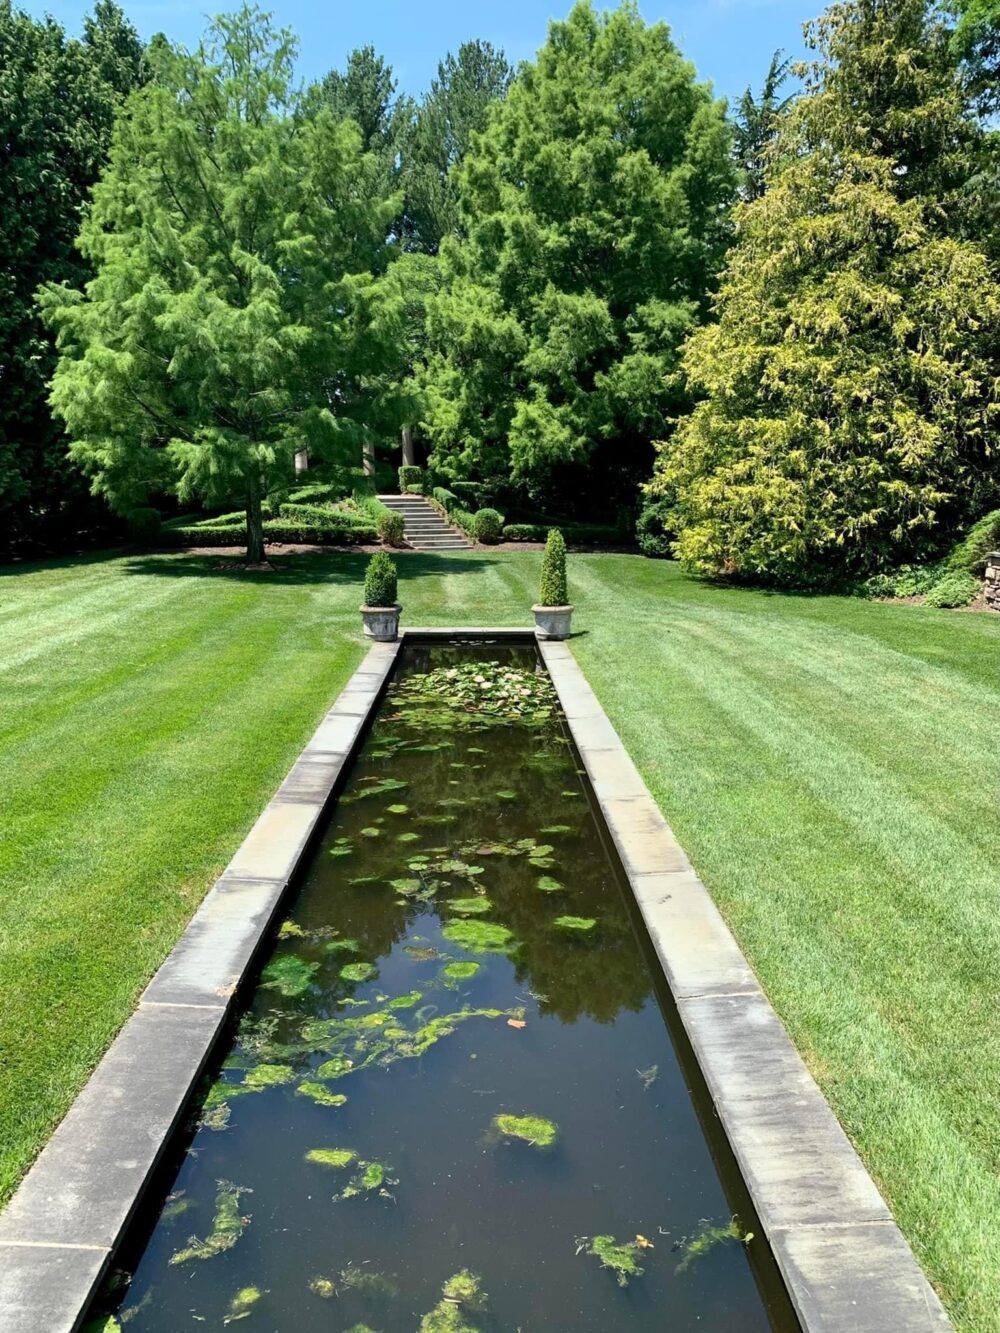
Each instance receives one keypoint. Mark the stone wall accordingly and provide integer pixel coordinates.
(993, 581)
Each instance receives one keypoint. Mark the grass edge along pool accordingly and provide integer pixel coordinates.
(452, 1102)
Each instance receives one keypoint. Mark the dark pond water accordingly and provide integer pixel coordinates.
(437, 971)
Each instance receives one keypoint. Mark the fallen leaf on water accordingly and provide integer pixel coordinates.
(643, 1243)
(516, 1023)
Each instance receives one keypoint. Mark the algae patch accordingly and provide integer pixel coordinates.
(320, 1094)
(479, 936)
(335, 1157)
(288, 975)
(241, 1306)
(621, 1259)
(227, 1226)
(461, 1295)
(531, 1129)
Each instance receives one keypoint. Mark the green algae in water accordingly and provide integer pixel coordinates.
(622, 1260)
(407, 837)
(335, 1157)
(288, 928)
(371, 1178)
(320, 1093)
(268, 1076)
(575, 925)
(378, 788)
(371, 832)
(556, 829)
(530, 1129)
(398, 809)
(227, 1226)
(343, 946)
(358, 971)
(288, 975)
(505, 794)
(709, 1238)
(461, 1295)
(549, 885)
(453, 973)
(406, 1001)
(241, 1306)
(470, 906)
(322, 1287)
(479, 936)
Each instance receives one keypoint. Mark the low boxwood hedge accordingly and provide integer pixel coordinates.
(291, 531)
(580, 534)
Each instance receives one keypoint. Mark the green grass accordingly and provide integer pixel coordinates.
(831, 766)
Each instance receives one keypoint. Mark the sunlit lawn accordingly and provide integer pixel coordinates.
(831, 766)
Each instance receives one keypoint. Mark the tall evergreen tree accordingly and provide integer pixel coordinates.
(456, 107)
(849, 409)
(595, 209)
(58, 98)
(976, 41)
(757, 124)
(233, 317)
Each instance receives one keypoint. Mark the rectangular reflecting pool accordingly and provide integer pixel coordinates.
(453, 1100)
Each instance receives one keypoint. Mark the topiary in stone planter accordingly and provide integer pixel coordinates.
(380, 612)
(553, 613)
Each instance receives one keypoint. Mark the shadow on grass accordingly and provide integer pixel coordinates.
(310, 568)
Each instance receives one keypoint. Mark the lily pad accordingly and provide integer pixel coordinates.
(549, 885)
(358, 971)
(479, 936)
(505, 794)
(470, 906)
(453, 973)
(576, 925)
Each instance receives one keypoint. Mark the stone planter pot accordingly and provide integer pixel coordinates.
(552, 622)
(381, 622)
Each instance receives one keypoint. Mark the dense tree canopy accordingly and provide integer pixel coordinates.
(756, 126)
(850, 383)
(233, 316)
(595, 211)
(57, 103)
(456, 107)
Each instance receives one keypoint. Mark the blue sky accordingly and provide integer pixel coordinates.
(730, 41)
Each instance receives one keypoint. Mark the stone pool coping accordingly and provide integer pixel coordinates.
(846, 1264)
(844, 1261)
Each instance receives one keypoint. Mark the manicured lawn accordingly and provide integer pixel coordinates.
(830, 765)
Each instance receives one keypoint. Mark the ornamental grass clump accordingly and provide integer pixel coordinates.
(552, 588)
(380, 581)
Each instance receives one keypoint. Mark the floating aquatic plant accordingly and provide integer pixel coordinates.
(422, 953)
(371, 1177)
(621, 1259)
(553, 830)
(406, 1001)
(479, 936)
(371, 832)
(320, 1093)
(549, 885)
(288, 928)
(398, 809)
(505, 794)
(474, 694)
(268, 1076)
(241, 1306)
(358, 971)
(460, 1294)
(369, 1282)
(576, 925)
(343, 946)
(175, 1205)
(711, 1236)
(227, 1226)
(470, 906)
(407, 837)
(531, 1129)
(452, 973)
(288, 975)
(335, 1157)
(378, 787)
(322, 1286)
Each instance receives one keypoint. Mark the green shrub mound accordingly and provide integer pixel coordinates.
(552, 588)
(413, 490)
(380, 581)
(955, 589)
(486, 526)
(144, 524)
(410, 475)
(390, 526)
(655, 528)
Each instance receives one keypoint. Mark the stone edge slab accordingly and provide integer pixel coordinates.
(847, 1267)
(64, 1223)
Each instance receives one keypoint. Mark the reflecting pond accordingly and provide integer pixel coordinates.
(453, 1102)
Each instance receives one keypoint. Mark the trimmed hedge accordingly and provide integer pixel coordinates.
(410, 475)
(380, 580)
(331, 532)
(390, 526)
(581, 534)
(144, 524)
(552, 586)
(413, 490)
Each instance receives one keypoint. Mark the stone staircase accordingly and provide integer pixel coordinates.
(426, 529)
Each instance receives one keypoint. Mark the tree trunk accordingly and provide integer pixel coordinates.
(408, 458)
(255, 522)
(368, 457)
